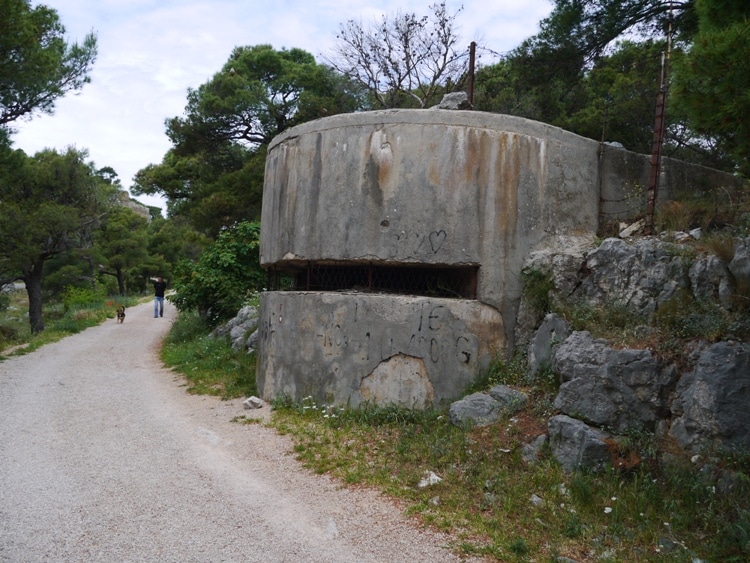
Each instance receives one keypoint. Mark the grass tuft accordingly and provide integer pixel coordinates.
(209, 364)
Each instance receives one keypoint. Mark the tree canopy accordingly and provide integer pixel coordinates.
(712, 80)
(122, 245)
(259, 93)
(212, 189)
(213, 174)
(595, 68)
(37, 64)
(218, 284)
(49, 203)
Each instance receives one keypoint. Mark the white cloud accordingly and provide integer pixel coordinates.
(152, 51)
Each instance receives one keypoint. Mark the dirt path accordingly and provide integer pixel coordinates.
(104, 457)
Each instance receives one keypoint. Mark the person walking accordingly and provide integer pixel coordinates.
(159, 287)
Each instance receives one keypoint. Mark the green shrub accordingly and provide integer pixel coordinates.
(80, 298)
(537, 288)
(223, 278)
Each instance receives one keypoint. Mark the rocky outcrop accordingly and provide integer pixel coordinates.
(547, 339)
(481, 409)
(641, 276)
(132, 204)
(241, 330)
(620, 390)
(576, 445)
(606, 389)
(712, 402)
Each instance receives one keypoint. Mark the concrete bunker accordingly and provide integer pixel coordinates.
(394, 242)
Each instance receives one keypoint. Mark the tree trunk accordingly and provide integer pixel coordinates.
(33, 277)
(120, 281)
(92, 271)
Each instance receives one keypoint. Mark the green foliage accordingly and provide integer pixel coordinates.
(258, 93)
(209, 364)
(219, 283)
(686, 318)
(604, 321)
(594, 69)
(37, 65)
(483, 499)
(712, 82)
(79, 298)
(82, 308)
(502, 371)
(170, 242)
(537, 289)
(519, 547)
(210, 188)
(213, 175)
(121, 245)
(49, 204)
(613, 93)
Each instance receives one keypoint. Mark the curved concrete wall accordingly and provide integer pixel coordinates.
(423, 186)
(418, 187)
(346, 348)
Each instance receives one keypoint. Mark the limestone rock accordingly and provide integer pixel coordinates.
(740, 264)
(240, 328)
(575, 445)
(481, 409)
(611, 388)
(455, 100)
(253, 403)
(710, 280)
(530, 452)
(510, 400)
(478, 409)
(428, 479)
(642, 275)
(548, 337)
(712, 402)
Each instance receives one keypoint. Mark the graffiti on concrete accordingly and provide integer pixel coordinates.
(417, 243)
(435, 335)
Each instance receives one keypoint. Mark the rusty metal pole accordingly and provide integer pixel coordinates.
(655, 171)
(658, 139)
(472, 55)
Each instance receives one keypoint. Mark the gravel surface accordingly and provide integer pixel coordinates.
(105, 457)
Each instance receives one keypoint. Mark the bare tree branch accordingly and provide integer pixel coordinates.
(402, 57)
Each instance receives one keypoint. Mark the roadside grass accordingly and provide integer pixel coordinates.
(76, 311)
(496, 504)
(492, 501)
(209, 364)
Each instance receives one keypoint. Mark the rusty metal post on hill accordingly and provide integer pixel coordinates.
(470, 87)
(656, 147)
(658, 139)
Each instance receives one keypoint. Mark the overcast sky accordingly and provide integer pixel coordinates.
(152, 51)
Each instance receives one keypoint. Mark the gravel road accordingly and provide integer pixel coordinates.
(105, 457)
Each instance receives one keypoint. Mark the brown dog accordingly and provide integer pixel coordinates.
(121, 314)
